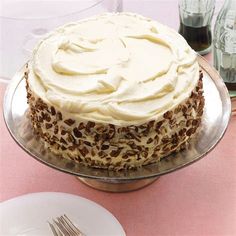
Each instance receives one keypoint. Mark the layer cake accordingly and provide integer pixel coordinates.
(114, 91)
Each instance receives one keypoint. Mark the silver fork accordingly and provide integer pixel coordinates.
(63, 226)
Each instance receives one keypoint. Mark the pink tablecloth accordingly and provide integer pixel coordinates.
(197, 200)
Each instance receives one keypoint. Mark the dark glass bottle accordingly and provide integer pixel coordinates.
(195, 23)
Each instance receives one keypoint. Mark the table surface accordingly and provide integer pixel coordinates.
(197, 200)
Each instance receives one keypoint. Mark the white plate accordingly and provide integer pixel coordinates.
(28, 215)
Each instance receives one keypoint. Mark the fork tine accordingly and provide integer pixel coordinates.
(69, 230)
(70, 226)
(53, 229)
(70, 223)
(56, 231)
(62, 229)
(63, 226)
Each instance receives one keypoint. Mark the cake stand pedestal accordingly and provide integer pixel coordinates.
(117, 186)
(214, 123)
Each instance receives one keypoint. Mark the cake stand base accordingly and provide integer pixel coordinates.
(117, 186)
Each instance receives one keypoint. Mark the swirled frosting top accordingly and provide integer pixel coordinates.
(115, 68)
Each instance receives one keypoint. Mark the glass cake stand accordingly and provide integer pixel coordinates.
(215, 121)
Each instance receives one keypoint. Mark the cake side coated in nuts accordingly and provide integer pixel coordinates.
(99, 145)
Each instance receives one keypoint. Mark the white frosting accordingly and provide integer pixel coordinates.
(114, 68)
